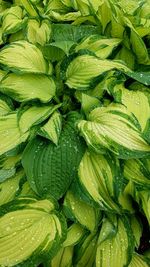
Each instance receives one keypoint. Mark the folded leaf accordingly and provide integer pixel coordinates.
(52, 129)
(114, 250)
(97, 176)
(38, 33)
(114, 128)
(138, 171)
(30, 116)
(83, 69)
(13, 20)
(102, 47)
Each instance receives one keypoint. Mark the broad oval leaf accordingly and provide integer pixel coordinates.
(28, 86)
(23, 57)
(20, 241)
(53, 167)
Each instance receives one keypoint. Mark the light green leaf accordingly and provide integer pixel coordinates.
(97, 176)
(114, 128)
(8, 166)
(52, 129)
(24, 57)
(10, 134)
(27, 4)
(9, 188)
(38, 33)
(28, 86)
(85, 251)
(138, 171)
(138, 261)
(4, 107)
(30, 116)
(13, 20)
(83, 69)
(19, 236)
(74, 234)
(89, 103)
(114, 250)
(102, 47)
(81, 211)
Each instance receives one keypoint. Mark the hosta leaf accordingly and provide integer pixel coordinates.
(27, 4)
(63, 45)
(63, 32)
(63, 258)
(9, 188)
(138, 171)
(48, 173)
(38, 33)
(13, 20)
(28, 86)
(23, 57)
(83, 69)
(102, 47)
(97, 176)
(114, 250)
(52, 129)
(85, 251)
(20, 240)
(30, 116)
(10, 134)
(4, 107)
(81, 211)
(74, 234)
(115, 129)
(138, 261)
(8, 166)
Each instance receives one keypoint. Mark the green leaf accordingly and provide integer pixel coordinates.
(26, 87)
(67, 32)
(114, 128)
(48, 173)
(23, 57)
(63, 45)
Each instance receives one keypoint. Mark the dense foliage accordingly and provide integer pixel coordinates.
(74, 133)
